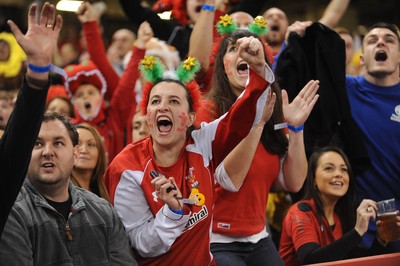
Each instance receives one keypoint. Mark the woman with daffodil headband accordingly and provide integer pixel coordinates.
(163, 186)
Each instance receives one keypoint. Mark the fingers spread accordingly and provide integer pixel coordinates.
(16, 31)
(32, 14)
(59, 23)
(44, 14)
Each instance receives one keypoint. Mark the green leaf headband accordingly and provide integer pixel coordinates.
(226, 25)
(153, 70)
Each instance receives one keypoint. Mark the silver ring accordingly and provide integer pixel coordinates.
(368, 209)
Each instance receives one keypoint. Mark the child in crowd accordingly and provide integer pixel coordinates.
(58, 101)
(7, 100)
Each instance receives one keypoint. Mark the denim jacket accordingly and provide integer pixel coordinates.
(36, 234)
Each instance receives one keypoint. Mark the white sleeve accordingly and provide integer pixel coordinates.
(150, 236)
(222, 178)
(281, 178)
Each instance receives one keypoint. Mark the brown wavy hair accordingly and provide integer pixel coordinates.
(275, 141)
(97, 185)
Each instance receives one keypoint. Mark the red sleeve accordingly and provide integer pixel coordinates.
(301, 226)
(98, 55)
(123, 101)
(240, 118)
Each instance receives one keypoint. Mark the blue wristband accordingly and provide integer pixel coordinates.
(177, 211)
(208, 7)
(39, 69)
(295, 129)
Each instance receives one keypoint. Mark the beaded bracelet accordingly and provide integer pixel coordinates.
(39, 69)
(208, 7)
(295, 129)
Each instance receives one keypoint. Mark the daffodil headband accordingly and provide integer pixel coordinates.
(153, 71)
(226, 25)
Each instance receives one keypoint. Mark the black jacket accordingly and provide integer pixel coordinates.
(320, 55)
(17, 143)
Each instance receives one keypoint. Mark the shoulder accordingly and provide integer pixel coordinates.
(302, 207)
(134, 152)
(352, 81)
(92, 201)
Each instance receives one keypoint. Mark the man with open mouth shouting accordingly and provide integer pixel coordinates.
(375, 107)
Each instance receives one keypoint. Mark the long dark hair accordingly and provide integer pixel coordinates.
(346, 205)
(274, 141)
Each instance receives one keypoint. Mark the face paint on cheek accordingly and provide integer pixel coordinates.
(184, 119)
(228, 70)
(149, 123)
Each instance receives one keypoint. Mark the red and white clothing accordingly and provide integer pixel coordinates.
(112, 120)
(301, 226)
(242, 214)
(158, 235)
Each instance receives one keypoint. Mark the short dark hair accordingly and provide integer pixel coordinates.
(73, 134)
(389, 26)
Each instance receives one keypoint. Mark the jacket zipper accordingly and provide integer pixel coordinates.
(67, 229)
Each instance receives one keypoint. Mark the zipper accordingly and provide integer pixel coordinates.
(67, 229)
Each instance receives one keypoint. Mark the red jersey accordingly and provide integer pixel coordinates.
(160, 236)
(243, 213)
(301, 226)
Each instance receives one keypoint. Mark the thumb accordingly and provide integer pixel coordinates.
(285, 98)
(16, 31)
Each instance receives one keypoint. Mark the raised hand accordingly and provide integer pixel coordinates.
(40, 40)
(86, 13)
(297, 112)
(268, 109)
(252, 51)
(145, 33)
(298, 27)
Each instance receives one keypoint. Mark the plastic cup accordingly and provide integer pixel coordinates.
(388, 230)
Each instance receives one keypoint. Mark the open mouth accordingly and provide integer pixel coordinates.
(274, 27)
(381, 56)
(87, 106)
(243, 68)
(337, 184)
(164, 125)
(48, 165)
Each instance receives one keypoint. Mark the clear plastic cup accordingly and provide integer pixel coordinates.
(388, 230)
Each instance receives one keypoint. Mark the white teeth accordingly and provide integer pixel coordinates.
(337, 183)
(163, 118)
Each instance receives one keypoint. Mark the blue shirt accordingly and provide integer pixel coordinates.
(376, 112)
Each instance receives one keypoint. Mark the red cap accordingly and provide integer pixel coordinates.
(84, 73)
(56, 91)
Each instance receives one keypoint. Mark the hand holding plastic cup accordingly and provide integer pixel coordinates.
(388, 230)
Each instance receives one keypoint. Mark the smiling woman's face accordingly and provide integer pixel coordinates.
(331, 176)
(89, 152)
